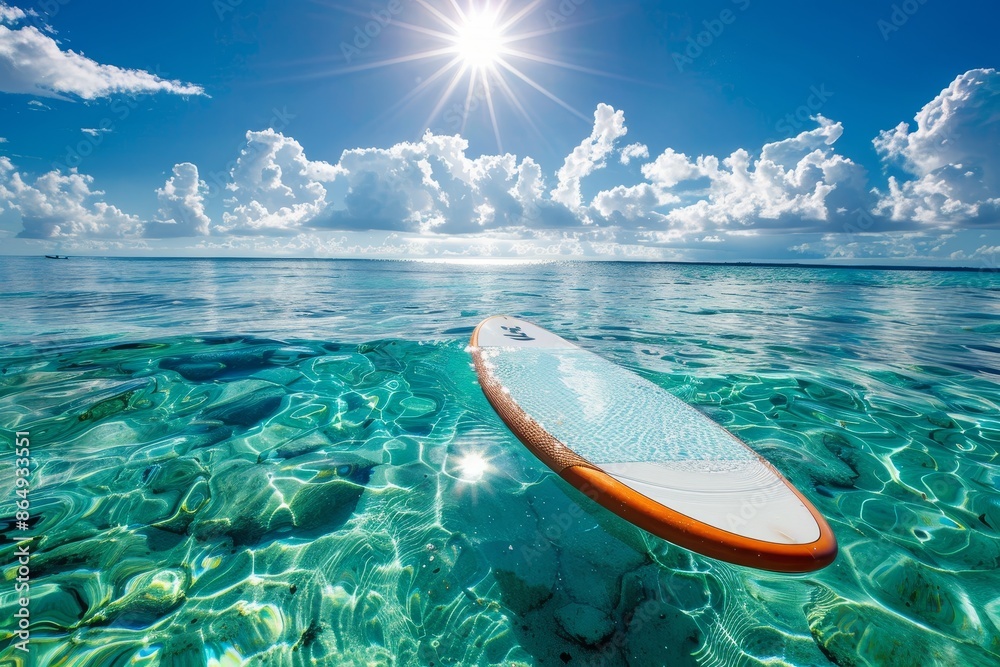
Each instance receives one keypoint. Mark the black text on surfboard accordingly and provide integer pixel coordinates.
(515, 333)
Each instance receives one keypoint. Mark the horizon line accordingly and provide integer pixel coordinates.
(767, 264)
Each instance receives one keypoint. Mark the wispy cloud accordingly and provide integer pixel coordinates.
(33, 63)
(11, 14)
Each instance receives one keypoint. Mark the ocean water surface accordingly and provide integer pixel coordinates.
(291, 463)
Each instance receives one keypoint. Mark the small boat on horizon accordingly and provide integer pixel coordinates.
(56, 257)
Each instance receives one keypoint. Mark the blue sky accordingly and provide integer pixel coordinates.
(734, 130)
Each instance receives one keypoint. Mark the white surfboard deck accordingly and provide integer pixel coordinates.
(645, 438)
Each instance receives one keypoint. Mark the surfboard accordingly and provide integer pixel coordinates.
(644, 454)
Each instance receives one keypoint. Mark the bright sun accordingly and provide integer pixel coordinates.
(484, 46)
(479, 41)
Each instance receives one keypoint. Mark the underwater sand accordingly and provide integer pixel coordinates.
(291, 463)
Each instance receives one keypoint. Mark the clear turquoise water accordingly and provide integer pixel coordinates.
(290, 463)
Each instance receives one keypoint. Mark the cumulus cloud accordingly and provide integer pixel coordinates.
(794, 183)
(182, 206)
(951, 157)
(793, 180)
(589, 156)
(32, 63)
(778, 198)
(633, 152)
(669, 169)
(275, 187)
(60, 205)
(433, 186)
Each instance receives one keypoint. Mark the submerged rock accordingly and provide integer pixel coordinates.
(929, 596)
(109, 407)
(259, 501)
(244, 361)
(858, 633)
(250, 410)
(584, 624)
(146, 598)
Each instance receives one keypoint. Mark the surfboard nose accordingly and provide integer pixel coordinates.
(744, 498)
(787, 555)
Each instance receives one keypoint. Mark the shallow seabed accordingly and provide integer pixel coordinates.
(291, 463)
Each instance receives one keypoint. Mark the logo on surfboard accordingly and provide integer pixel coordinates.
(515, 333)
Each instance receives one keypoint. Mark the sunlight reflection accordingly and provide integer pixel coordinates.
(473, 467)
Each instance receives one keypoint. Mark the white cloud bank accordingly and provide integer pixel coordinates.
(59, 206)
(952, 157)
(33, 63)
(798, 195)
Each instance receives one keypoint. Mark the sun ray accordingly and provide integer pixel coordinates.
(558, 63)
(537, 86)
(475, 40)
(409, 58)
(458, 9)
(535, 34)
(422, 86)
(501, 7)
(443, 36)
(516, 102)
(439, 16)
(493, 113)
(452, 85)
(468, 100)
(519, 16)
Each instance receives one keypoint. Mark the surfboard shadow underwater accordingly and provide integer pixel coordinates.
(642, 453)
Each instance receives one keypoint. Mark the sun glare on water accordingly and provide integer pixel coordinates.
(473, 467)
